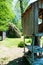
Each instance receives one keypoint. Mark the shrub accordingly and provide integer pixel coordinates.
(29, 41)
(21, 44)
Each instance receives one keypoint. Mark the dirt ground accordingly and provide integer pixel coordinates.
(11, 56)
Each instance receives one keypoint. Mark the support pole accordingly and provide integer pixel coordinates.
(33, 38)
(21, 7)
(24, 45)
(42, 17)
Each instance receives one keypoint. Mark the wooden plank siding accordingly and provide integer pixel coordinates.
(30, 18)
(27, 21)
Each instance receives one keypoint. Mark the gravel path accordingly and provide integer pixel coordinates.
(14, 55)
(11, 52)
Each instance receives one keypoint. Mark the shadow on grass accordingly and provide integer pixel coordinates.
(19, 61)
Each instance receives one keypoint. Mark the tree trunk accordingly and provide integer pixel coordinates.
(21, 6)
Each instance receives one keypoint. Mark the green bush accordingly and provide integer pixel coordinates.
(29, 41)
(21, 44)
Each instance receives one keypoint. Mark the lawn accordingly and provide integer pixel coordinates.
(11, 42)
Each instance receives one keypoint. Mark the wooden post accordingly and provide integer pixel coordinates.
(42, 17)
(24, 45)
(33, 48)
(35, 26)
(36, 23)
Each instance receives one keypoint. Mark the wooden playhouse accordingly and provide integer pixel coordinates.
(32, 23)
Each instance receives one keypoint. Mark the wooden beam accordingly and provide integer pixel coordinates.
(42, 17)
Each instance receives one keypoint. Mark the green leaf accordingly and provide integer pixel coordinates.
(6, 14)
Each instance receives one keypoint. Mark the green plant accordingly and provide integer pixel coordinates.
(6, 14)
(21, 44)
(29, 41)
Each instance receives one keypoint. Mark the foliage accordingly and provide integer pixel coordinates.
(25, 4)
(6, 14)
(17, 6)
(13, 31)
(17, 23)
(17, 20)
(21, 44)
(11, 42)
(29, 41)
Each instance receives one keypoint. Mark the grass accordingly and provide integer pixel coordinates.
(11, 42)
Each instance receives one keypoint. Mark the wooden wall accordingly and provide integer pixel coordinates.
(40, 3)
(30, 19)
(27, 23)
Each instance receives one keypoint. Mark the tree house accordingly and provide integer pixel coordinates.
(32, 23)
